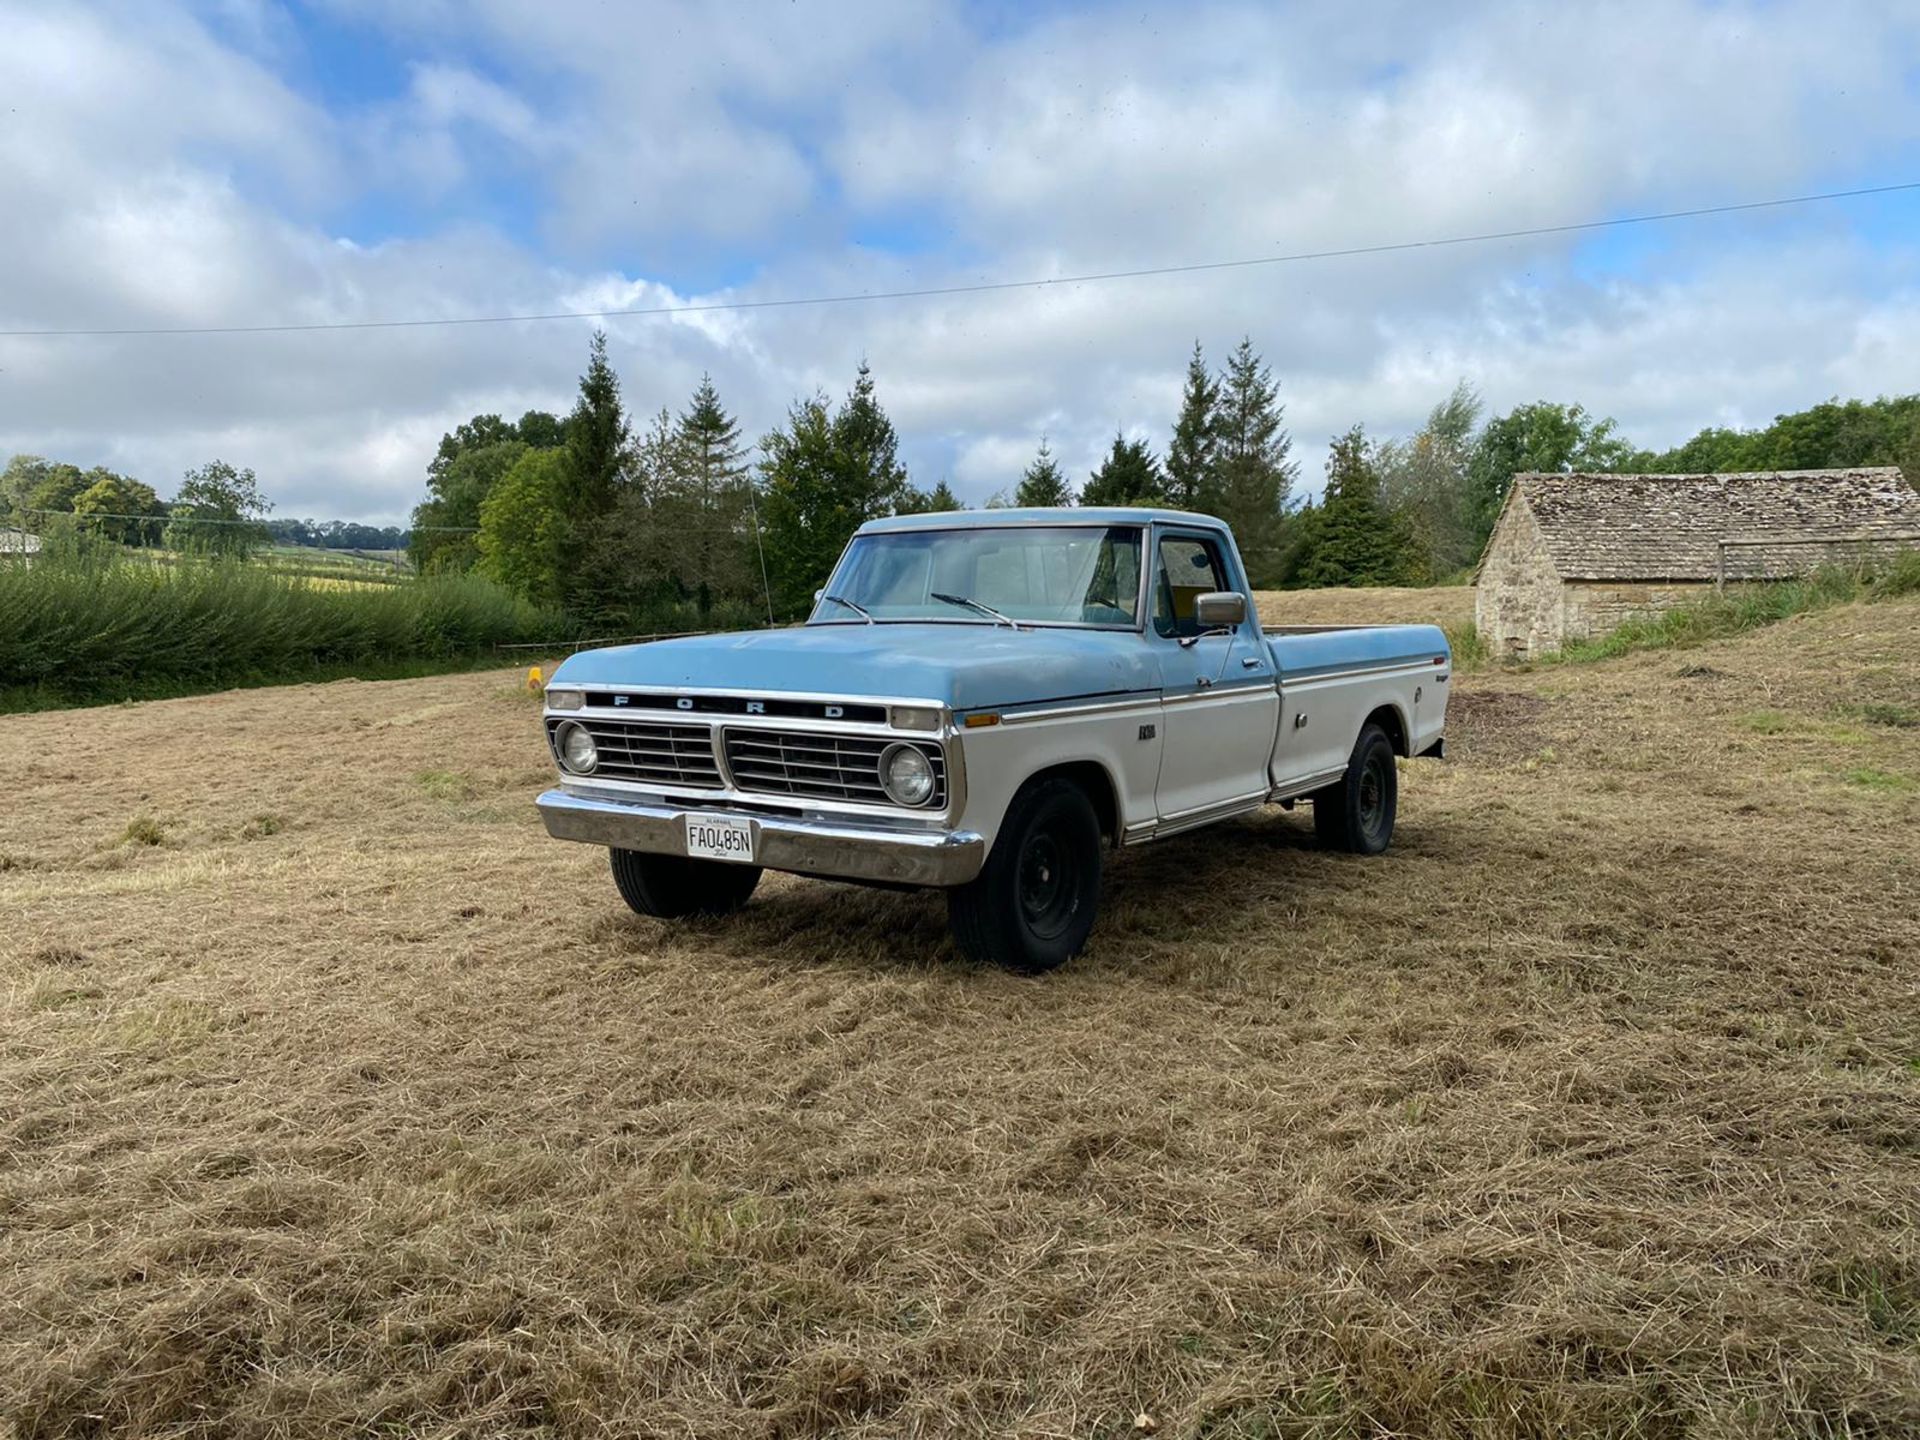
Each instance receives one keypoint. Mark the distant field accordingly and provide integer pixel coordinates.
(1439, 605)
(382, 567)
(338, 1099)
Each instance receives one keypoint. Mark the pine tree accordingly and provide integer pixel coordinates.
(876, 480)
(599, 457)
(632, 562)
(1128, 476)
(1254, 473)
(1044, 483)
(1356, 540)
(930, 502)
(1193, 456)
(823, 475)
(599, 439)
(714, 494)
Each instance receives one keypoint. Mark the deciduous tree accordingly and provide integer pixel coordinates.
(217, 512)
(525, 528)
(470, 460)
(1542, 436)
(119, 509)
(1424, 482)
(23, 476)
(444, 538)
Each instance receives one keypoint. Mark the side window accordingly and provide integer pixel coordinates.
(1189, 568)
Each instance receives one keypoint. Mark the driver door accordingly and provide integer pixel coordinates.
(1219, 705)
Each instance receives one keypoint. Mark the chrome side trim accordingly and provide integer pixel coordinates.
(801, 846)
(1139, 700)
(1397, 667)
(1305, 785)
(1222, 694)
(1193, 819)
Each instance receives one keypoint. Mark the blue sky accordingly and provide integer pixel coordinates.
(241, 161)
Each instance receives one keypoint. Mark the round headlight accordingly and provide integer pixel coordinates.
(577, 750)
(906, 774)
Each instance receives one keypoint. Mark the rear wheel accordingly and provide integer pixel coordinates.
(1356, 814)
(1034, 902)
(668, 887)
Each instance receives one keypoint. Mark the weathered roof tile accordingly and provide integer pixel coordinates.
(1668, 527)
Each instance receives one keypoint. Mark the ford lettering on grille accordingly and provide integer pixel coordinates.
(739, 705)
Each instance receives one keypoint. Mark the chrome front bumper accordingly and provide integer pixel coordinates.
(835, 849)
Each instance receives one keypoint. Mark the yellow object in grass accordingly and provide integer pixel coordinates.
(535, 684)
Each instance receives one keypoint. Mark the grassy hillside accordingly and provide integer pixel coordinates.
(1592, 1108)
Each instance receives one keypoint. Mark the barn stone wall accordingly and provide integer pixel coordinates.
(1518, 602)
(1594, 607)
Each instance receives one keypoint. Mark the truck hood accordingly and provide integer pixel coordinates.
(965, 666)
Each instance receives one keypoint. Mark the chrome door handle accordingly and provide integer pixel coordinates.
(1250, 662)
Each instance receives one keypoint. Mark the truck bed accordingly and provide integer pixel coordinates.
(1334, 677)
(1302, 650)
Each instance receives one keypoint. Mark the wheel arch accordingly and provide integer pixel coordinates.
(1096, 780)
(1390, 720)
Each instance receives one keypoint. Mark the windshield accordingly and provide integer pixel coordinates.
(1040, 575)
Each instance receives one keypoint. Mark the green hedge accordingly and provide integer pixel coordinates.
(81, 623)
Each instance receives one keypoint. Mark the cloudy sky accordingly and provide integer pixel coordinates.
(247, 162)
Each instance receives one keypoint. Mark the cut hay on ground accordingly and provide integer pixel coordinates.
(336, 1099)
(1448, 605)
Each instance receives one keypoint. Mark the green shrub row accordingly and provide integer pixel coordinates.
(80, 623)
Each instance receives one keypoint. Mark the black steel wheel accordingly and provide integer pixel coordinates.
(1035, 900)
(1357, 813)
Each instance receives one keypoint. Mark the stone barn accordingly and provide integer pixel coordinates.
(19, 546)
(1574, 555)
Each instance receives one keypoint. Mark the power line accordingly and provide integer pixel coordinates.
(984, 287)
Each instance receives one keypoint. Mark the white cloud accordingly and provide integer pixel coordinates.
(155, 174)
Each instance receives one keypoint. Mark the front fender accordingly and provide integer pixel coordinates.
(1122, 737)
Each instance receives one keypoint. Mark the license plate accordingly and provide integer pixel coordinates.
(720, 837)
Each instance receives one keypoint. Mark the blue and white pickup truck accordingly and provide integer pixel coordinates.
(986, 701)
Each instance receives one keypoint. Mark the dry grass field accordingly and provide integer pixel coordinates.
(1450, 605)
(334, 1098)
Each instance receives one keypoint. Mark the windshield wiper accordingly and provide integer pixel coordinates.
(859, 610)
(969, 603)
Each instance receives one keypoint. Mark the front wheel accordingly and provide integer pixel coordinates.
(1034, 901)
(669, 887)
(1356, 813)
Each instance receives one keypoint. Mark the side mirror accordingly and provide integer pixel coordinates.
(1220, 608)
(819, 595)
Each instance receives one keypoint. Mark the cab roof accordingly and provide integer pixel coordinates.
(1061, 515)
